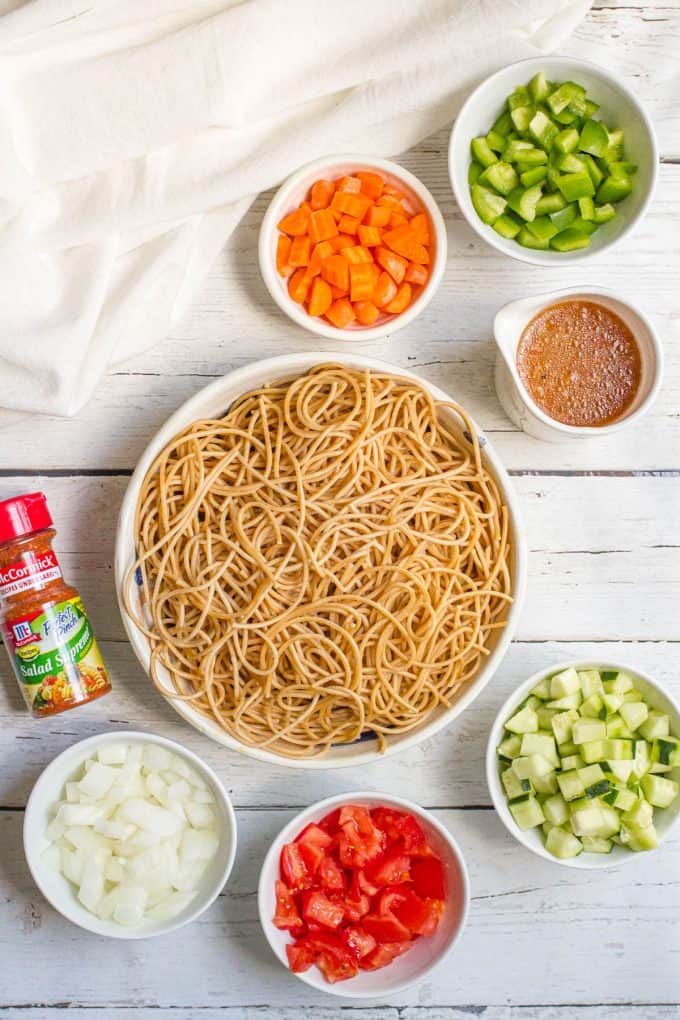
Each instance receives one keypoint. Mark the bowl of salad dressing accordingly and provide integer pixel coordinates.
(575, 363)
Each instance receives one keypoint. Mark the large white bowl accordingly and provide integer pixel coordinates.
(655, 696)
(426, 953)
(212, 402)
(58, 891)
(619, 107)
(289, 196)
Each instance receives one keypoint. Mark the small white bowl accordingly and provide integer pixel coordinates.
(618, 108)
(294, 191)
(425, 954)
(58, 891)
(517, 402)
(664, 819)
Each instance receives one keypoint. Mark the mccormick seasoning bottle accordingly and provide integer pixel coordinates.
(44, 624)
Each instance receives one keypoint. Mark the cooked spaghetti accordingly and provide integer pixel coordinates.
(326, 560)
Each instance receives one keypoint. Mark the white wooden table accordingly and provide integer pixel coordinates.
(602, 519)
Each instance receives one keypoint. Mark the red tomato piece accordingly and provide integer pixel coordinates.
(391, 869)
(355, 906)
(293, 868)
(421, 917)
(287, 917)
(385, 928)
(391, 896)
(359, 941)
(300, 956)
(311, 855)
(361, 884)
(331, 821)
(331, 876)
(314, 835)
(333, 957)
(382, 955)
(402, 828)
(317, 908)
(360, 841)
(428, 878)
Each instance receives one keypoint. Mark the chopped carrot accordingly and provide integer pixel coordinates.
(403, 240)
(295, 223)
(388, 202)
(335, 270)
(340, 313)
(348, 224)
(320, 299)
(394, 264)
(421, 227)
(282, 249)
(372, 184)
(385, 290)
(343, 241)
(377, 216)
(398, 219)
(321, 194)
(400, 301)
(416, 274)
(366, 312)
(351, 204)
(298, 285)
(357, 254)
(321, 251)
(350, 184)
(300, 251)
(337, 292)
(369, 236)
(322, 225)
(390, 189)
(361, 281)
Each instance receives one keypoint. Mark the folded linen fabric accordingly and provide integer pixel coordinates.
(136, 132)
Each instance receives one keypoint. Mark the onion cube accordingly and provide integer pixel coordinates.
(91, 884)
(171, 906)
(113, 754)
(198, 845)
(129, 909)
(150, 816)
(200, 815)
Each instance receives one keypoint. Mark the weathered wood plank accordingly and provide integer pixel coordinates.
(273, 1012)
(445, 771)
(613, 940)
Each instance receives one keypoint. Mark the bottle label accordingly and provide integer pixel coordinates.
(31, 570)
(55, 656)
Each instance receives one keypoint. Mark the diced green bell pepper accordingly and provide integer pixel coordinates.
(604, 213)
(566, 140)
(521, 118)
(520, 97)
(563, 218)
(532, 157)
(503, 124)
(523, 201)
(533, 176)
(575, 186)
(594, 138)
(539, 87)
(542, 129)
(593, 169)
(622, 168)
(488, 204)
(549, 204)
(507, 226)
(614, 189)
(584, 226)
(527, 240)
(570, 240)
(475, 170)
(501, 176)
(566, 95)
(515, 150)
(586, 207)
(543, 228)
(481, 151)
(566, 117)
(495, 141)
(591, 108)
(570, 163)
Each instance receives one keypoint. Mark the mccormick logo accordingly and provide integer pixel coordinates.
(30, 572)
(23, 635)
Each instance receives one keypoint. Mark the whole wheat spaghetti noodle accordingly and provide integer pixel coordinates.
(327, 559)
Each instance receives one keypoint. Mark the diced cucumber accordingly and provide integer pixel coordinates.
(666, 750)
(514, 150)
(509, 747)
(545, 717)
(496, 141)
(597, 845)
(475, 170)
(617, 682)
(540, 743)
(521, 118)
(565, 95)
(590, 681)
(524, 721)
(594, 750)
(568, 748)
(622, 770)
(567, 140)
(555, 809)
(545, 785)
(588, 821)
(658, 791)
(616, 727)
(619, 750)
(586, 730)
(570, 785)
(632, 696)
(570, 163)
(539, 87)
(594, 708)
(590, 774)
(564, 683)
(612, 702)
(657, 724)
(542, 689)
(640, 815)
(633, 713)
(643, 839)
(526, 811)
(621, 798)
(562, 845)
(642, 760)
(567, 702)
(532, 766)
(513, 785)
(542, 129)
(561, 724)
(572, 761)
(503, 124)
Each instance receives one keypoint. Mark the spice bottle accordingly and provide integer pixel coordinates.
(44, 625)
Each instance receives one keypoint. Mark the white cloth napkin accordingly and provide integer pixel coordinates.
(134, 134)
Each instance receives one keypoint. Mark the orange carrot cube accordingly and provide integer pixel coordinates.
(282, 249)
(400, 301)
(343, 241)
(377, 216)
(349, 204)
(300, 251)
(350, 184)
(361, 281)
(295, 223)
(340, 313)
(416, 274)
(369, 236)
(385, 290)
(348, 225)
(394, 264)
(420, 225)
(320, 298)
(366, 312)
(357, 254)
(322, 225)
(335, 270)
(321, 251)
(372, 184)
(321, 194)
(403, 240)
(298, 285)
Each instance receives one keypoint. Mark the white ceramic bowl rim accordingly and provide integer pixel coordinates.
(240, 381)
(549, 298)
(323, 807)
(49, 778)
(277, 208)
(584, 862)
(525, 254)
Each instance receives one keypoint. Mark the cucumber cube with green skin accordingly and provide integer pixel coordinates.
(482, 152)
(539, 87)
(550, 204)
(568, 748)
(507, 226)
(555, 809)
(588, 821)
(666, 750)
(524, 721)
(594, 138)
(621, 798)
(521, 118)
(532, 766)
(658, 791)
(591, 774)
(633, 713)
(640, 815)
(570, 240)
(575, 185)
(618, 750)
(563, 218)
(585, 730)
(475, 171)
(540, 743)
(590, 679)
(564, 683)
(570, 785)
(632, 696)
(611, 821)
(545, 716)
(488, 205)
(534, 176)
(617, 682)
(642, 760)
(531, 701)
(561, 724)
(509, 747)
(612, 702)
(598, 789)
(572, 761)
(643, 839)
(617, 729)
(527, 812)
(566, 95)
(529, 240)
(604, 213)
(566, 140)
(562, 845)
(657, 724)
(594, 750)
(622, 770)
(566, 117)
(514, 786)
(542, 227)
(501, 176)
(597, 845)
(544, 786)
(542, 689)
(593, 708)
(542, 129)
(496, 141)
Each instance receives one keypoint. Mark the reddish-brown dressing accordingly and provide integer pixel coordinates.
(580, 363)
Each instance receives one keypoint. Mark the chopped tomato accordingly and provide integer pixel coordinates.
(421, 917)
(361, 884)
(382, 955)
(391, 896)
(300, 956)
(359, 941)
(360, 841)
(390, 869)
(331, 875)
(428, 878)
(356, 906)
(403, 829)
(333, 956)
(331, 822)
(317, 908)
(385, 928)
(287, 916)
(293, 868)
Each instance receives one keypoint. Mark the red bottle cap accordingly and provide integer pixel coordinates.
(23, 515)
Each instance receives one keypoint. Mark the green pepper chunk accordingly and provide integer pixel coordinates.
(507, 226)
(533, 176)
(575, 186)
(481, 151)
(594, 138)
(523, 201)
(570, 163)
(566, 140)
(604, 213)
(521, 118)
(496, 141)
(475, 170)
(503, 124)
(586, 207)
(570, 240)
(539, 87)
(488, 204)
(543, 228)
(563, 218)
(501, 176)
(614, 189)
(542, 129)
(528, 240)
(549, 204)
